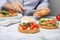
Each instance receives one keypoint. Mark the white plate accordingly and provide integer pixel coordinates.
(15, 17)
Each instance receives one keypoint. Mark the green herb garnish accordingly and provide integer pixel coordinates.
(24, 23)
(4, 12)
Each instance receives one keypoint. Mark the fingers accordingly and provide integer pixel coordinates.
(20, 5)
(36, 15)
(41, 12)
(16, 7)
(7, 6)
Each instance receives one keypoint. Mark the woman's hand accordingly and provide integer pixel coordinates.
(41, 12)
(15, 6)
(18, 7)
(7, 6)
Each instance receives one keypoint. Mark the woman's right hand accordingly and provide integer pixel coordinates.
(15, 6)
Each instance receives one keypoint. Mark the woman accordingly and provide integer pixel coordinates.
(40, 6)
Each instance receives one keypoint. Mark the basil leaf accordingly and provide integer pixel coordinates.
(24, 24)
(4, 12)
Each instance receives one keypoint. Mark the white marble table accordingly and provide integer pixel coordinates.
(11, 33)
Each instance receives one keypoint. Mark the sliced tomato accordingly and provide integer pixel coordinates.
(36, 26)
(31, 27)
(51, 21)
(31, 23)
(23, 27)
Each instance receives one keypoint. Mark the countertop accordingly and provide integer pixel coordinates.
(11, 33)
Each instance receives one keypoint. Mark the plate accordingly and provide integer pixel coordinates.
(15, 17)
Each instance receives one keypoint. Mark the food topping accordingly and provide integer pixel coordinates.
(30, 25)
(4, 12)
(48, 22)
(9, 13)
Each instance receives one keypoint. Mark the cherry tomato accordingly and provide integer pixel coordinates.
(58, 17)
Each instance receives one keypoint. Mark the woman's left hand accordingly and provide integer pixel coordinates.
(41, 12)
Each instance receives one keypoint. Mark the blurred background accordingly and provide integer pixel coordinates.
(55, 7)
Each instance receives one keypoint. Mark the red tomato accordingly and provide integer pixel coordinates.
(32, 27)
(23, 27)
(36, 26)
(58, 17)
(53, 21)
(31, 23)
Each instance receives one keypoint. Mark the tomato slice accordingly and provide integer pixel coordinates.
(23, 27)
(51, 21)
(36, 26)
(31, 27)
(33, 23)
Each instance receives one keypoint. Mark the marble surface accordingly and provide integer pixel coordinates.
(11, 33)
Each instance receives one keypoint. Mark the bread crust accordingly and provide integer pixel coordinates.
(48, 27)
